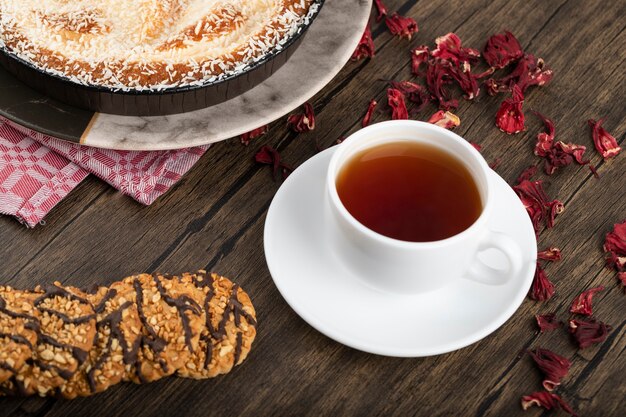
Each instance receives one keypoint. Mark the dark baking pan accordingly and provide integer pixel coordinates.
(152, 103)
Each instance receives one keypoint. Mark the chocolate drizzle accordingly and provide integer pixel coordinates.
(63, 373)
(7, 367)
(208, 338)
(182, 304)
(11, 313)
(236, 308)
(155, 342)
(139, 374)
(207, 302)
(30, 324)
(51, 291)
(209, 351)
(17, 339)
(113, 321)
(67, 319)
(238, 348)
(111, 293)
(79, 354)
(233, 306)
(18, 388)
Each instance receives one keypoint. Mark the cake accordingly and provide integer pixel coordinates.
(139, 45)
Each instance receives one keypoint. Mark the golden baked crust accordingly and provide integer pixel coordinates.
(148, 44)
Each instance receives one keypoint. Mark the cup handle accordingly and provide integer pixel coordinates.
(485, 274)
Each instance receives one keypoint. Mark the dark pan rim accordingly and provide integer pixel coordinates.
(174, 90)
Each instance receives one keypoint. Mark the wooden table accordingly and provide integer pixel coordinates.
(214, 220)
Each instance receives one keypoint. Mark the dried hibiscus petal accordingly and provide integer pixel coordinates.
(401, 26)
(546, 400)
(395, 98)
(414, 92)
(370, 110)
(526, 174)
(533, 71)
(484, 74)
(253, 134)
(476, 146)
(622, 278)
(270, 156)
(545, 140)
(554, 208)
(605, 143)
(550, 254)
(528, 72)
(582, 303)
(466, 80)
(303, 122)
(548, 322)
(445, 119)
(555, 160)
(615, 246)
(382, 10)
(495, 87)
(563, 154)
(537, 204)
(451, 61)
(588, 332)
(557, 154)
(449, 48)
(510, 117)
(542, 289)
(365, 48)
(554, 367)
(577, 151)
(438, 75)
(419, 56)
(502, 49)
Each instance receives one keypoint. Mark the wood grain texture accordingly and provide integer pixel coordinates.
(214, 219)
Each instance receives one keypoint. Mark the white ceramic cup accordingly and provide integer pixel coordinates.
(413, 267)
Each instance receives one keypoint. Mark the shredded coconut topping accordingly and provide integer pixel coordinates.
(148, 44)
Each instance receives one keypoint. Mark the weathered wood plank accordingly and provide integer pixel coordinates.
(214, 218)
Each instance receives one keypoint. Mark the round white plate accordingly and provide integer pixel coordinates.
(338, 304)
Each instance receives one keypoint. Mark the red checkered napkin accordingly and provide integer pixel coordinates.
(38, 171)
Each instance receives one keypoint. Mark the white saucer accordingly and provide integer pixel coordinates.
(337, 303)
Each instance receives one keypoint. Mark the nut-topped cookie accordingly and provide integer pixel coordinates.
(116, 346)
(67, 326)
(171, 322)
(65, 342)
(229, 328)
(18, 330)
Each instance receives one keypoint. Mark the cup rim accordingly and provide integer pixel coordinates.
(333, 170)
